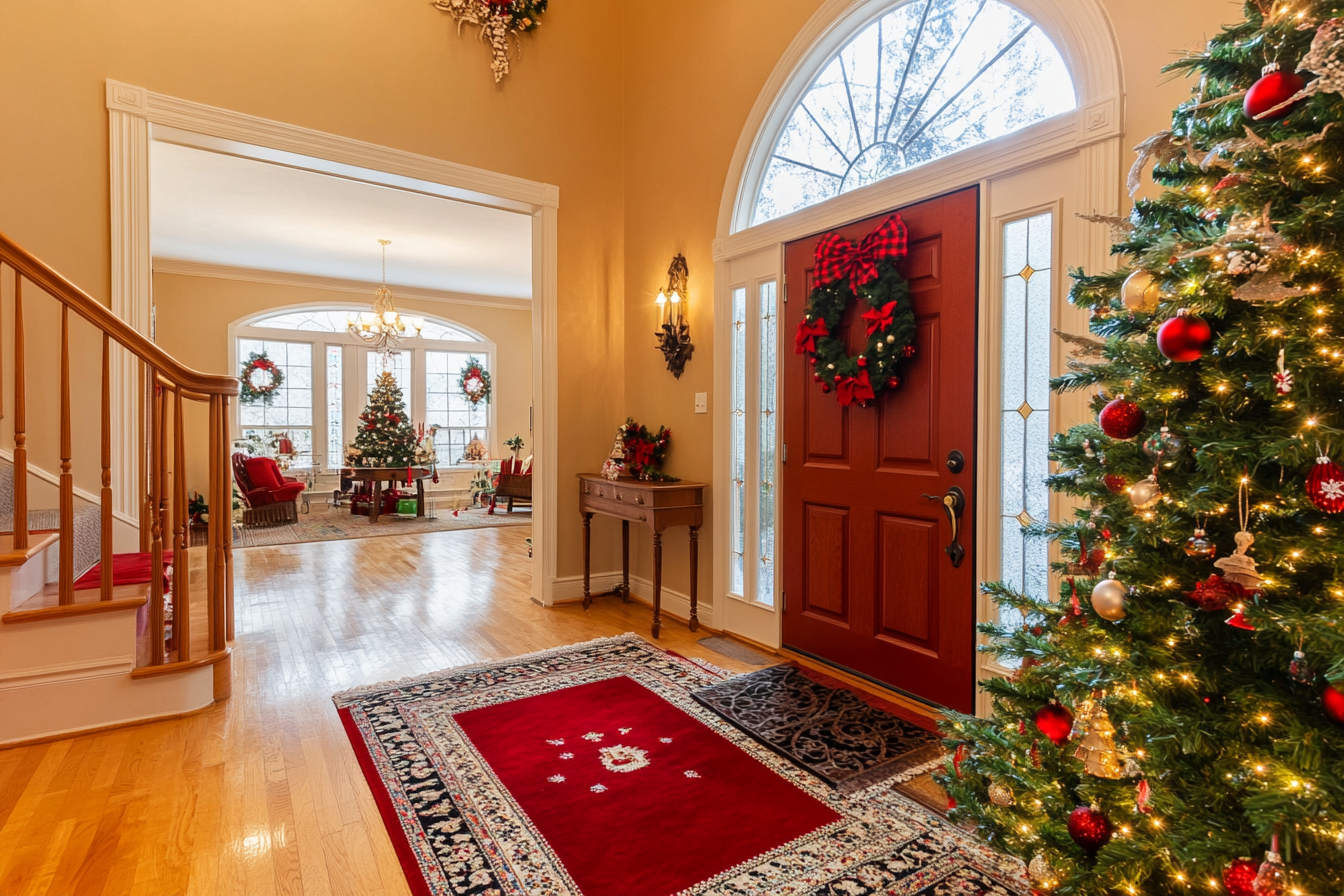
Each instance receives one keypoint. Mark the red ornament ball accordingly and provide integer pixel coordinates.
(893, 382)
(862, 362)
(1054, 721)
(1274, 87)
(816, 377)
(1184, 338)
(825, 387)
(1122, 419)
(1115, 483)
(1332, 700)
(1239, 877)
(1090, 828)
(1325, 485)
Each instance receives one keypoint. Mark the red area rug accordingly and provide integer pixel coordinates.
(590, 771)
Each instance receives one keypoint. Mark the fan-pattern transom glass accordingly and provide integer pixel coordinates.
(327, 320)
(926, 80)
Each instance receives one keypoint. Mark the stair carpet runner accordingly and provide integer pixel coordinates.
(88, 524)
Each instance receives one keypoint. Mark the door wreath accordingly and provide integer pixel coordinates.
(844, 273)
(474, 381)
(261, 377)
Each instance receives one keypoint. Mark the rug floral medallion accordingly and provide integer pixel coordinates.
(590, 771)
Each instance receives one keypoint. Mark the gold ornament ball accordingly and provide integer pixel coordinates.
(1145, 493)
(1041, 873)
(1000, 795)
(1140, 292)
(1108, 599)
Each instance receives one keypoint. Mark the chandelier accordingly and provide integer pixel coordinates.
(382, 328)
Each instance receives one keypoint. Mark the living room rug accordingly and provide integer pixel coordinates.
(590, 770)
(324, 523)
(848, 741)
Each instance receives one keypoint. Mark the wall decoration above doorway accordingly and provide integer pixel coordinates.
(846, 271)
(499, 20)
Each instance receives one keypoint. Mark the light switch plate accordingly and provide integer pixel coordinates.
(702, 402)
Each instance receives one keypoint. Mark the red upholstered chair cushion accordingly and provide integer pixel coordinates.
(287, 492)
(264, 473)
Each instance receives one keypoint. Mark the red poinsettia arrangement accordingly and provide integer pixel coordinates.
(645, 451)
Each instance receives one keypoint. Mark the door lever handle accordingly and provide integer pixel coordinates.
(954, 502)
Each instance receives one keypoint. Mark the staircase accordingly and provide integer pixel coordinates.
(79, 655)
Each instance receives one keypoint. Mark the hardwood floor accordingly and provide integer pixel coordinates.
(263, 794)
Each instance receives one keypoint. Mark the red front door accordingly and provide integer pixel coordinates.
(868, 580)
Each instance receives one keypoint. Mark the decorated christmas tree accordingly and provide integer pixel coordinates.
(386, 437)
(1179, 727)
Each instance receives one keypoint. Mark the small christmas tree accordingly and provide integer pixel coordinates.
(386, 437)
(1177, 726)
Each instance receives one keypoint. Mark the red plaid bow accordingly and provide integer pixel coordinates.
(849, 389)
(879, 318)
(838, 258)
(809, 331)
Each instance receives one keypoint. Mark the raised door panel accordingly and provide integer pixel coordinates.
(826, 552)
(906, 579)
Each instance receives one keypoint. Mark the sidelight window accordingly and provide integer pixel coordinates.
(925, 80)
(753, 463)
(1027, 287)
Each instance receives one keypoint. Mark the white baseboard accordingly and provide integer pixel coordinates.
(570, 588)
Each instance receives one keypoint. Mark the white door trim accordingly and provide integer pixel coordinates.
(133, 115)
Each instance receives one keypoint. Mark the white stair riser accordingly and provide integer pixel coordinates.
(73, 642)
(18, 583)
(72, 705)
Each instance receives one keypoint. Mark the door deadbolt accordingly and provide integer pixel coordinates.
(956, 461)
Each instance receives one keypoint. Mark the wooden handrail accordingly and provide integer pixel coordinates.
(89, 308)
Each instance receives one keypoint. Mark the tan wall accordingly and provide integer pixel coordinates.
(193, 314)
(673, 186)
(392, 73)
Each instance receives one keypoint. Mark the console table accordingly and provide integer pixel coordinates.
(657, 505)
(378, 475)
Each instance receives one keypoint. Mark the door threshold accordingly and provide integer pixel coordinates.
(867, 683)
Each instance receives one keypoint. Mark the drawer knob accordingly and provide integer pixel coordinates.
(620, 497)
(586, 489)
(639, 499)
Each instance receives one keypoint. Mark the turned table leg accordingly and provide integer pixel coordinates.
(657, 583)
(377, 501)
(625, 561)
(420, 497)
(587, 550)
(695, 562)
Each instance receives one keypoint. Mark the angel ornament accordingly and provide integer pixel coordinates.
(1238, 567)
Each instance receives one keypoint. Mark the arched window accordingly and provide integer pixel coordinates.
(925, 80)
(329, 373)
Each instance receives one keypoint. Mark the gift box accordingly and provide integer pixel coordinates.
(407, 506)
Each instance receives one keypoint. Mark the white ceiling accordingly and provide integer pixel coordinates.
(220, 209)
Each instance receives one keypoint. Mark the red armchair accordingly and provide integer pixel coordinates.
(514, 483)
(269, 495)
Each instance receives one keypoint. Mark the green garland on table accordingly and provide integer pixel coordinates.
(891, 332)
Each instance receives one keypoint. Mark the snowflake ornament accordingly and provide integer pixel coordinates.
(1325, 485)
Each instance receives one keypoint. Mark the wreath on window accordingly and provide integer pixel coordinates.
(474, 381)
(844, 273)
(261, 377)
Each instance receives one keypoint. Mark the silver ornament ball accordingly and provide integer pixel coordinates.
(1140, 292)
(1108, 599)
(1144, 493)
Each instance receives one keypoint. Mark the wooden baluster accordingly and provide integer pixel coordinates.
(20, 426)
(157, 462)
(105, 548)
(221, 514)
(226, 489)
(142, 459)
(182, 537)
(66, 571)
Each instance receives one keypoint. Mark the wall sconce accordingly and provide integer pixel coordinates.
(674, 330)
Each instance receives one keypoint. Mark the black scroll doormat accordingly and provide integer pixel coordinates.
(828, 730)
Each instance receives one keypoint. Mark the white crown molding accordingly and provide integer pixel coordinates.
(331, 284)
(474, 184)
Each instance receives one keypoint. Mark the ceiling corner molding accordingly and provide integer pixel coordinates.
(333, 284)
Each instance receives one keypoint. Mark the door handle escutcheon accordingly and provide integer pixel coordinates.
(954, 502)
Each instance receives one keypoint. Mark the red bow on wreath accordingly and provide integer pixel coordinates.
(849, 389)
(838, 258)
(879, 318)
(809, 331)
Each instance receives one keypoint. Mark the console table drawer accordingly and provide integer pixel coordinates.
(632, 495)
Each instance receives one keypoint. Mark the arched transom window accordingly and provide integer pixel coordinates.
(923, 81)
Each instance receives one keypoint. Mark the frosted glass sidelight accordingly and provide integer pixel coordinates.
(1027, 292)
(766, 473)
(737, 539)
(926, 80)
(335, 394)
